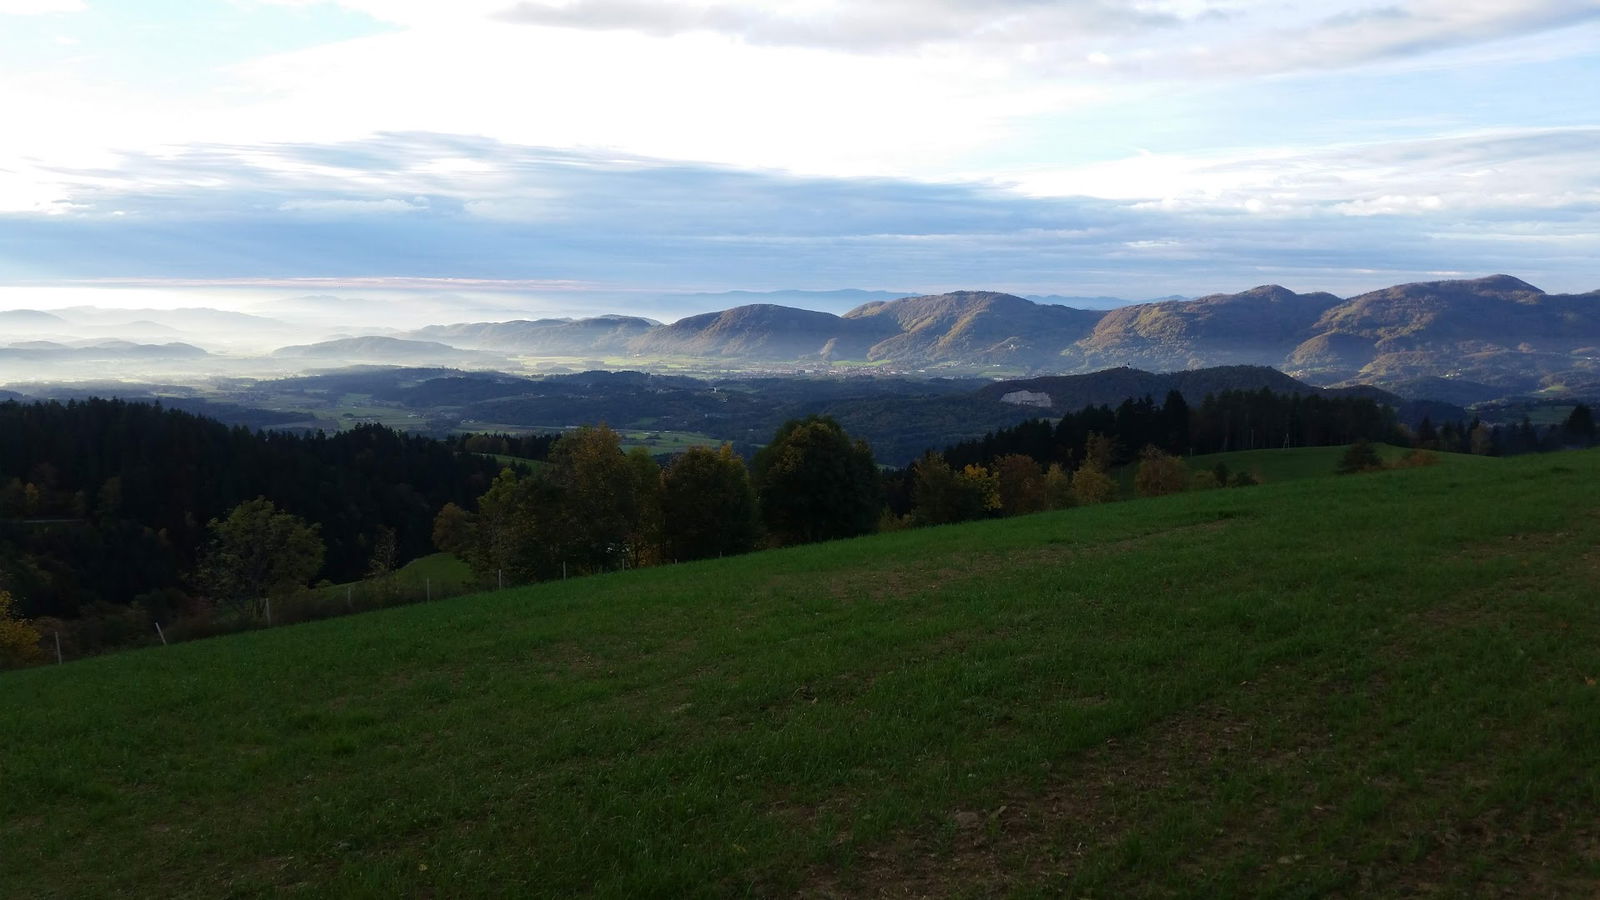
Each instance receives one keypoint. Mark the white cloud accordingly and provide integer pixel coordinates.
(661, 128)
(39, 7)
(700, 97)
(356, 207)
(1142, 38)
(1538, 169)
(878, 25)
(1338, 35)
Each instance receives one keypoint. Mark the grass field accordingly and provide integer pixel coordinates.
(436, 575)
(441, 568)
(661, 442)
(1376, 685)
(1307, 462)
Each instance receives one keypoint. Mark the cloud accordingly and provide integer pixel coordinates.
(1404, 30)
(1159, 39)
(879, 25)
(39, 7)
(341, 206)
(426, 208)
(1532, 172)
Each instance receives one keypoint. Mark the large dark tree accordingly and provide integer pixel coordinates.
(708, 505)
(600, 497)
(1580, 427)
(1359, 457)
(815, 483)
(257, 551)
(941, 495)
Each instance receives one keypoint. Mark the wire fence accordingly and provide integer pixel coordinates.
(108, 628)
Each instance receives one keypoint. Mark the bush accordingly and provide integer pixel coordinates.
(1159, 474)
(1415, 459)
(1090, 486)
(19, 640)
(1360, 457)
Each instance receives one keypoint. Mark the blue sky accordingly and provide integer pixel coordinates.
(1074, 147)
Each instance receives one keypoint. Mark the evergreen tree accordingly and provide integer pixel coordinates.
(1175, 424)
(1579, 426)
(1360, 457)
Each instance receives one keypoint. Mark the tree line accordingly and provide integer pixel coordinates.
(594, 508)
(1225, 421)
(106, 503)
(110, 502)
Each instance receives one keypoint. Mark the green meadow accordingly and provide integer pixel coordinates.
(1372, 685)
(1309, 462)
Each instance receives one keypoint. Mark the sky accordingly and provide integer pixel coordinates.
(572, 152)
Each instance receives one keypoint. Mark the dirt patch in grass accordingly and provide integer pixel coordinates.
(1266, 788)
(1516, 855)
(1085, 806)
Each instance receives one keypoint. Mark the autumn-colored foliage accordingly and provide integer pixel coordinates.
(19, 640)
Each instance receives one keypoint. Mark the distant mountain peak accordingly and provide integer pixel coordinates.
(1507, 283)
(1268, 292)
(1503, 285)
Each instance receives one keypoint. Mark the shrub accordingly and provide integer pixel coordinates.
(1159, 474)
(19, 640)
(1360, 457)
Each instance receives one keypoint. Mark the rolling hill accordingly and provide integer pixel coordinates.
(1487, 338)
(600, 335)
(1070, 393)
(1376, 685)
(387, 350)
(975, 328)
(1499, 333)
(765, 332)
(54, 352)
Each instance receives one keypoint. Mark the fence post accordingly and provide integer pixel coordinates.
(269, 612)
(500, 579)
(58, 648)
(349, 605)
(161, 634)
(427, 589)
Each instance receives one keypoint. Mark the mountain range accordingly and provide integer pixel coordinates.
(1465, 340)
(1499, 333)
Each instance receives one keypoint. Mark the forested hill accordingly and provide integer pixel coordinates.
(106, 500)
(1497, 330)
(1070, 393)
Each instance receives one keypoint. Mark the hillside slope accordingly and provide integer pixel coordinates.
(1496, 334)
(551, 337)
(386, 351)
(1256, 327)
(975, 328)
(1373, 685)
(764, 332)
(1070, 393)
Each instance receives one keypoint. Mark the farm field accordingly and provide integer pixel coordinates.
(1373, 685)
